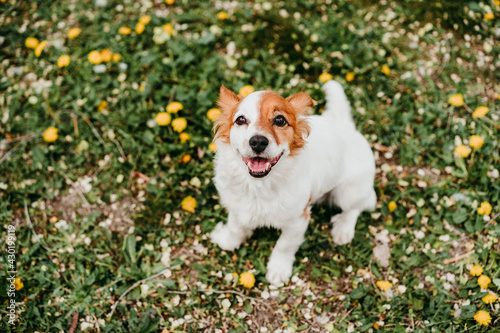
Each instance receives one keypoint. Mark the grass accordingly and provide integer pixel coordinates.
(99, 210)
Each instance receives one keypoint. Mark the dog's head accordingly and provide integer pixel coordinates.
(263, 127)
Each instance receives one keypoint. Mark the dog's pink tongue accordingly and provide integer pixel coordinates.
(258, 165)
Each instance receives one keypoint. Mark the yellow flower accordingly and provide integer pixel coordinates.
(174, 107)
(484, 209)
(163, 119)
(102, 106)
(213, 113)
(247, 280)
(73, 33)
(145, 19)
(384, 285)
(168, 28)
(212, 147)
(456, 100)
(116, 57)
(483, 318)
(189, 204)
(246, 90)
(139, 28)
(186, 158)
(222, 15)
(483, 281)
(476, 141)
(349, 76)
(63, 61)
(18, 284)
(480, 112)
(392, 206)
(94, 57)
(50, 134)
(31, 42)
(462, 150)
(169, 2)
(179, 124)
(489, 16)
(39, 48)
(142, 87)
(386, 70)
(184, 137)
(106, 55)
(476, 270)
(490, 298)
(325, 77)
(125, 30)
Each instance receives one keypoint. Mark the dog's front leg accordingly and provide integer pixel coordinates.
(280, 265)
(230, 236)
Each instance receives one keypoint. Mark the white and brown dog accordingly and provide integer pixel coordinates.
(273, 162)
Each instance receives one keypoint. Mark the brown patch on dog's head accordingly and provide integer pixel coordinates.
(292, 109)
(228, 103)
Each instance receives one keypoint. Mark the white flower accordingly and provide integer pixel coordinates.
(160, 36)
(444, 238)
(165, 258)
(101, 3)
(144, 290)
(62, 224)
(349, 269)
(99, 69)
(122, 66)
(265, 294)
(225, 304)
(401, 289)
(87, 241)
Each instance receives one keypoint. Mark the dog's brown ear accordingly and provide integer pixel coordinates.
(228, 102)
(301, 101)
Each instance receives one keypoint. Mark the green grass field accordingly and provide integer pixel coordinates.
(112, 210)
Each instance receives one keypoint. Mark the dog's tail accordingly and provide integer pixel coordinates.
(337, 105)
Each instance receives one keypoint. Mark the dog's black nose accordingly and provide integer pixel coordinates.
(258, 143)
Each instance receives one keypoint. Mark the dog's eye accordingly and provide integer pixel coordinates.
(280, 121)
(241, 120)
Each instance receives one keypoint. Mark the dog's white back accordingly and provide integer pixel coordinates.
(268, 174)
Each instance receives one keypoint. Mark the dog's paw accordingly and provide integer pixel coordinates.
(279, 274)
(223, 237)
(342, 230)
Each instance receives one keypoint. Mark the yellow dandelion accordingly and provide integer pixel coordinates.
(63, 61)
(139, 28)
(246, 90)
(106, 55)
(184, 137)
(392, 206)
(94, 57)
(462, 150)
(116, 57)
(163, 119)
(212, 147)
(489, 16)
(222, 15)
(349, 76)
(186, 158)
(18, 284)
(189, 204)
(480, 112)
(174, 107)
(145, 19)
(483, 281)
(484, 209)
(31, 42)
(456, 100)
(476, 270)
(247, 280)
(213, 114)
(386, 70)
(384, 285)
(179, 124)
(169, 2)
(325, 77)
(125, 30)
(39, 48)
(476, 141)
(168, 29)
(483, 318)
(50, 134)
(490, 298)
(103, 105)
(73, 33)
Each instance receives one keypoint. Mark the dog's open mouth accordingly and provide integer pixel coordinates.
(259, 167)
